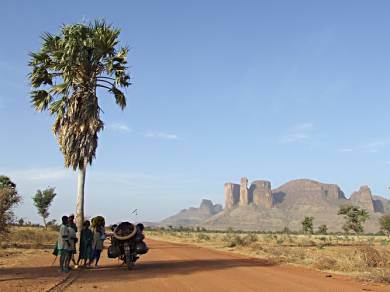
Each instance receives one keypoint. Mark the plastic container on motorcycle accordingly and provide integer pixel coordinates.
(113, 251)
(138, 237)
(141, 248)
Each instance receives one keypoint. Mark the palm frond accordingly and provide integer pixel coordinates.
(41, 99)
(119, 97)
(40, 75)
(66, 72)
(58, 106)
(59, 89)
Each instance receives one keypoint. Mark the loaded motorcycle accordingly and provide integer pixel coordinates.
(127, 243)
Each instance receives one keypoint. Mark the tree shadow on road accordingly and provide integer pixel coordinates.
(150, 269)
(27, 273)
(164, 269)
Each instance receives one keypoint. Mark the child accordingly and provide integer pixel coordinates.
(86, 238)
(97, 244)
(73, 238)
(64, 245)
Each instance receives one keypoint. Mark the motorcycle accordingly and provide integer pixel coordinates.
(127, 243)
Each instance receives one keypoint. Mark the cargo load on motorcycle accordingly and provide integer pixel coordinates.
(127, 242)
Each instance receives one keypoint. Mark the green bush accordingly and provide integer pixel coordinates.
(202, 236)
(233, 240)
(249, 238)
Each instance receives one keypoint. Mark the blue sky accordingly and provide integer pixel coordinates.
(272, 90)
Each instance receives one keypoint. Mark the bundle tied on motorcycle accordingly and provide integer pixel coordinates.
(98, 221)
(127, 243)
(125, 231)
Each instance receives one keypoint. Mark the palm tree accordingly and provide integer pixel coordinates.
(66, 74)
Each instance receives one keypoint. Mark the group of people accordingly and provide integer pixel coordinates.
(91, 244)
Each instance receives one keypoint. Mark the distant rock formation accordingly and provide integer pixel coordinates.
(306, 191)
(261, 208)
(333, 191)
(193, 216)
(381, 205)
(363, 198)
(244, 194)
(232, 195)
(208, 207)
(261, 193)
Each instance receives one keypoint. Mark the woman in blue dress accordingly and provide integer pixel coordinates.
(86, 238)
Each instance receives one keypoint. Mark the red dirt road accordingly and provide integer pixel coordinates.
(170, 267)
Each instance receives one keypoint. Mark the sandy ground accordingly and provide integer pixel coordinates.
(173, 267)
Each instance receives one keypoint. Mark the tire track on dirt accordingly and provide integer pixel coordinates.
(65, 283)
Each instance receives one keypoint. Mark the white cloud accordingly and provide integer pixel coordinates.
(376, 146)
(66, 178)
(292, 138)
(304, 126)
(40, 174)
(345, 150)
(119, 127)
(162, 135)
(372, 147)
(298, 133)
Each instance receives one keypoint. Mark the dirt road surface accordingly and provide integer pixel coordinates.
(170, 267)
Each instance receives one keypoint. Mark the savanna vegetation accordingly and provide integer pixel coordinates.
(67, 76)
(354, 218)
(365, 256)
(28, 237)
(9, 199)
(384, 223)
(42, 201)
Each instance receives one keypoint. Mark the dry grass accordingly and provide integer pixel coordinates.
(23, 242)
(29, 237)
(365, 257)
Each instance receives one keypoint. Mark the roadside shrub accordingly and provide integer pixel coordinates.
(385, 242)
(202, 236)
(324, 263)
(250, 238)
(384, 222)
(233, 240)
(9, 198)
(378, 275)
(290, 240)
(370, 257)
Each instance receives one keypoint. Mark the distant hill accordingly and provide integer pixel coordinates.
(258, 207)
(193, 216)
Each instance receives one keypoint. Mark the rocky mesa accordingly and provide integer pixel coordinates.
(259, 207)
(256, 206)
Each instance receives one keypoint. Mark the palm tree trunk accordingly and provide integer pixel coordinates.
(80, 198)
(44, 222)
